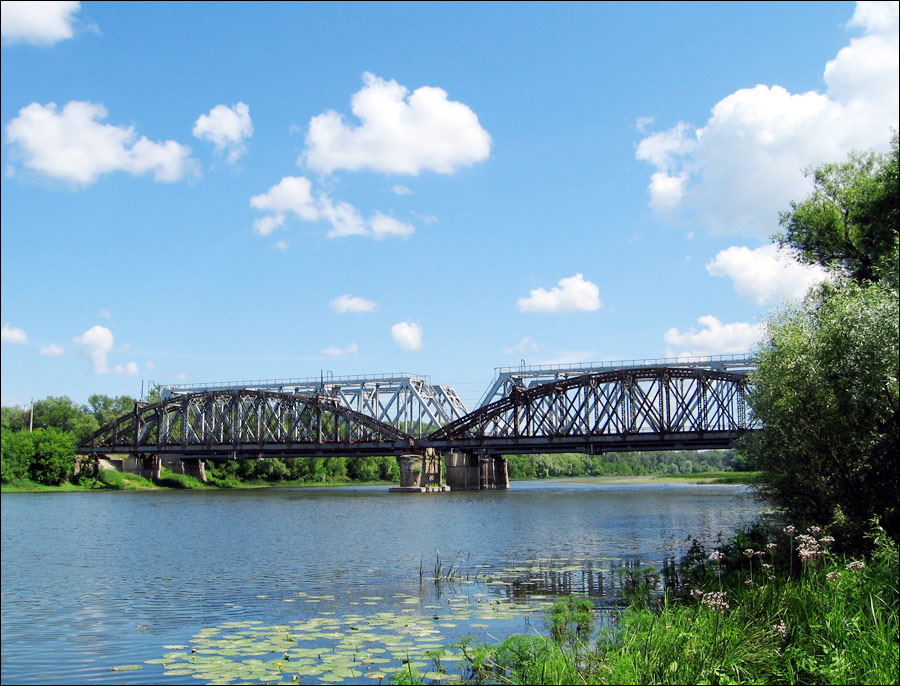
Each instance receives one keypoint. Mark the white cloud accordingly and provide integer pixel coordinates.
(382, 226)
(282, 246)
(407, 335)
(104, 314)
(12, 334)
(334, 351)
(51, 350)
(765, 274)
(266, 225)
(73, 145)
(735, 173)
(130, 369)
(573, 294)
(348, 303)
(295, 194)
(96, 343)
(226, 127)
(526, 345)
(715, 338)
(149, 366)
(401, 190)
(400, 133)
(291, 194)
(38, 23)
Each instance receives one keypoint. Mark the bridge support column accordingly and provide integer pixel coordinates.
(476, 471)
(147, 466)
(420, 473)
(189, 466)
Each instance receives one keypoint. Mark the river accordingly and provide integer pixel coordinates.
(325, 585)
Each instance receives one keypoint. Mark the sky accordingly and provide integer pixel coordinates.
(200, 192)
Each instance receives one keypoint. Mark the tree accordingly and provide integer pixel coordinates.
(106, 409)
(826, 385)
(54, 456)
(850, 222)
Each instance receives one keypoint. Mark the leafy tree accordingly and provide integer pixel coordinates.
(14, 418)
(106, 409)
(17, 454)
(850, 222)
(826, 388)
(54, 456)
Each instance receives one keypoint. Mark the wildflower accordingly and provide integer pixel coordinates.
(767, 567)
(749, 582)
(771, 547)
(715, 601)
(815, 530)
(780, 627)
(826, 540)
(760, 553)
(716, 556)
(749, 552)
(833, 576)
(856, 564)
(696, 594)
(790, 530)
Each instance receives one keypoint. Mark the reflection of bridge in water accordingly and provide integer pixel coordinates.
(684, 404)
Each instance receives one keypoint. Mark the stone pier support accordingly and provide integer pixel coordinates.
(420, 473)
(189, 466)
(476, 471)
(147, 466)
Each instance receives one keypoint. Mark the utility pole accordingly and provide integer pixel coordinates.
(31, 417)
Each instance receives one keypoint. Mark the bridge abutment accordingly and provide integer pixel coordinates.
(476, 471)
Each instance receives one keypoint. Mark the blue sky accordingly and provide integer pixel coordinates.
(222, 191)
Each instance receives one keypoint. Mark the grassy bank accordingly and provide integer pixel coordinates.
(113, 480)
(695, 478)
(794, 614)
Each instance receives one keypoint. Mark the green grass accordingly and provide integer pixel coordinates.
(828, 625)
(717, 477)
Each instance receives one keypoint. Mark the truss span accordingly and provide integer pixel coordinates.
(625, 409)
(247, 423)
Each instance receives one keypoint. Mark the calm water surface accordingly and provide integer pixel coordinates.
(93, 581)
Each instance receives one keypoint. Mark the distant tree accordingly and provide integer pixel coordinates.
(106, 409)
(14, 418)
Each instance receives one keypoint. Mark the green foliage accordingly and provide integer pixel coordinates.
(850, 222)
(826, 390)
(545, 466)
(571, 620)
(105, 409)
(17, 455)
(54, 456)
(170, 479)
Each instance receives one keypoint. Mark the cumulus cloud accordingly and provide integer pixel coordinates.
(282, 246)
(226, 128)
(38, 23)
(294, 194)
(51, 350)
(382, 226)
(714, 338)
(96, 343)
(349, 303)
(744, 165)
(766, 274)
(399, 133)
(291, 194)
(334, 351)
(74, 145)
(401, 190)
(13, 334)
(573, 294)
(526, 345)
(407, 335)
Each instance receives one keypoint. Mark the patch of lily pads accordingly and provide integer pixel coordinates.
(330, 648)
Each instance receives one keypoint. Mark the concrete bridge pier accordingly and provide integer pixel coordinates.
(472, 470)
(420, 473)
(189, 466)
(146, 466)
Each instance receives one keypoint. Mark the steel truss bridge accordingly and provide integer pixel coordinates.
(636, 405)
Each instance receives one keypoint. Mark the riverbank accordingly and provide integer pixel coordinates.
(110, 480)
